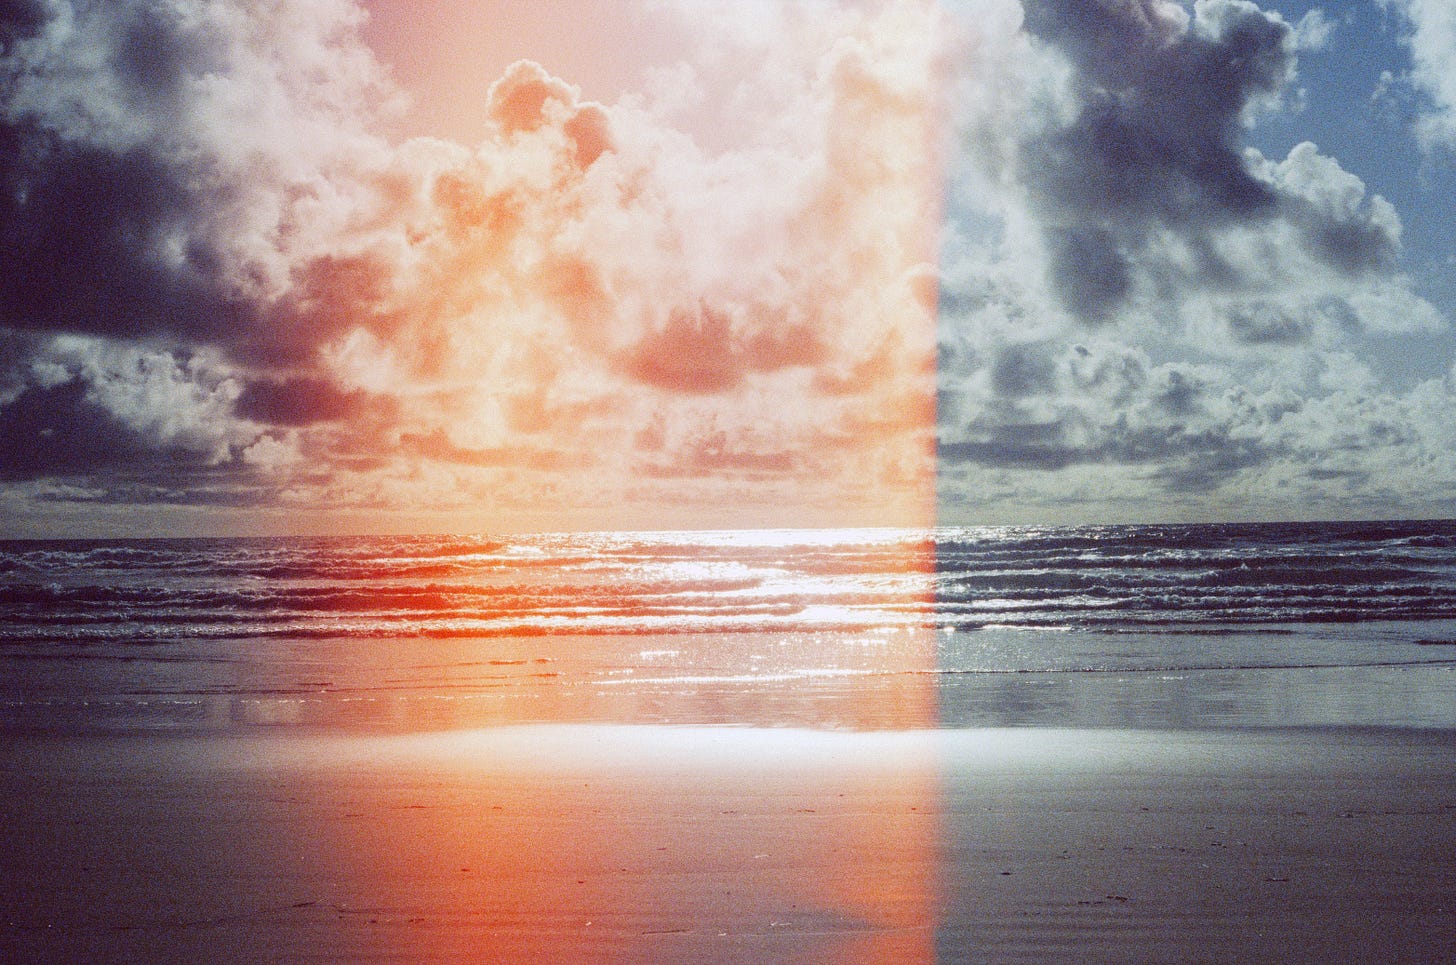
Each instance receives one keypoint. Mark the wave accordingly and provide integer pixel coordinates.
(1092, 579)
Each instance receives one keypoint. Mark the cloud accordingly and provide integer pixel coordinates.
(1142, 314)
(163, 162)
(1048, 407)
(200, 201)
(1433, 54)
(1313, 31)
(180, 189)
(88, 407)
(527, 98)
(1139, 174)
(227, 285)
(1125, 438)
(302, 401)
(557, 293)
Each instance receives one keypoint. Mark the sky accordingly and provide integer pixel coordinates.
(312, 266)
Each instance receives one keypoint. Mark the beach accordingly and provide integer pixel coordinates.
(1091, 745)
(724, 844)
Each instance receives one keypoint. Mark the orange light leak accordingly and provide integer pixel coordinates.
(610, 844)
(709, 303)
(601, 842)
(496, 834)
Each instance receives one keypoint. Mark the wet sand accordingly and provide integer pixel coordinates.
(721, 844)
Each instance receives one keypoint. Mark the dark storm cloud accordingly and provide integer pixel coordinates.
(1350, 246)
(1154, 147)
(104, 242)
(19, 20)
(1179, 394)
(1160, 107)
(305, 401)
(137, 198)
(1091, 273)
(1041, 446)
(58, 431)
(17, 349)
(157, 54)
(1212, 459)
(1318, 474)
(83, 225)
(1023, 370)
(1268, 324)
(163, 164)
(1151, 212)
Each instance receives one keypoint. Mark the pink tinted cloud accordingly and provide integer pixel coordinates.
(596, 310)
(590, 275)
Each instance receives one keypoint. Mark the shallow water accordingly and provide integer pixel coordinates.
(1191, 626)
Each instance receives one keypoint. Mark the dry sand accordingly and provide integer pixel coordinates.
(661, 844)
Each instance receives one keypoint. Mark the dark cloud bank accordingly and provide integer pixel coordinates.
(136, 231)
(1155, 148)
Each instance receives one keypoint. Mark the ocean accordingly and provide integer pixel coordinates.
(1250, 625)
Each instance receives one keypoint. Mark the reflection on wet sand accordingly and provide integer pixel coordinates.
(455, 825)
(611, 843)
(877, 679)
(635, 844)
(575, 843)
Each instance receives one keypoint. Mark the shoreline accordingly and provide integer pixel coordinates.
(652, 843)
(1400, 695)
